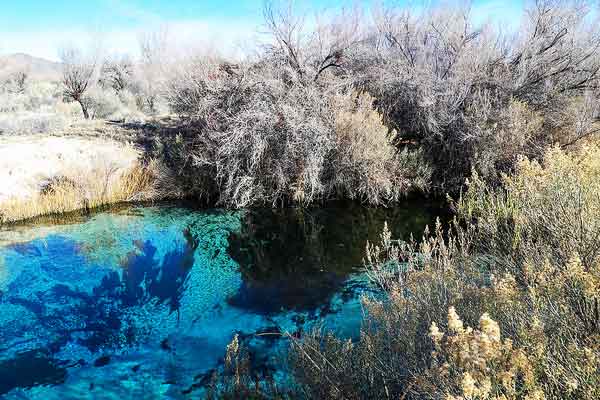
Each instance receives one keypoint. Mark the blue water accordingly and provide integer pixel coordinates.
(143, 301)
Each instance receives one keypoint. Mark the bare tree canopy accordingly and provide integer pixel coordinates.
(465, 96)
(153, 46)
(78, 75)
(310, 51)
(117, 73)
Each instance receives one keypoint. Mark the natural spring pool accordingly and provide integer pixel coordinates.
(142, 301)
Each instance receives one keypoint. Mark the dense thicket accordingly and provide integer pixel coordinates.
(503, 306)
(504, 303)
(453, 96)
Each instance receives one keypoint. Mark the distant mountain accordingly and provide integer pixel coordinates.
(36, 68)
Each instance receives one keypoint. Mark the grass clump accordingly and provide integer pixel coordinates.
(85, 190)
(237, 381)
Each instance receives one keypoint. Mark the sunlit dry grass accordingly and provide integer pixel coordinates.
(84, 190)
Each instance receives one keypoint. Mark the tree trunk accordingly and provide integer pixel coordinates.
(86, 114)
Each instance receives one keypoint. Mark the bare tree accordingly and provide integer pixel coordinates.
(287, 30)
(16, 82)
(334, 39)
(20, 81)
(117, 73)
(555, 45)
(77, 76)
(153, 50)
(311, 52)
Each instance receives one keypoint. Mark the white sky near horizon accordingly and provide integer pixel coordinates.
(190, 35)
(228, 32)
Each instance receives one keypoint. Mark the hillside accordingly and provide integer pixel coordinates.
(36, 68)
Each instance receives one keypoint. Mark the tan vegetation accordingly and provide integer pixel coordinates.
(367, 164)
(40, 176)
(85, 190)
(520, 263)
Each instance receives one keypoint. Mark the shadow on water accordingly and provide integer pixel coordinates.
(144, 278)
(94, 320)
(296, 259)
(29, 369)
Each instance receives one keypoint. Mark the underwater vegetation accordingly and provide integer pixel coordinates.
(143, 301)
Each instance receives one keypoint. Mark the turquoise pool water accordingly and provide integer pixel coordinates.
(142, 302)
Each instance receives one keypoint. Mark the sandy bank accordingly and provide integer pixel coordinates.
(27, 163)
(84, 171)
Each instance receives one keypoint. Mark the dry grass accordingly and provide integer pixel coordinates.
(85, 190)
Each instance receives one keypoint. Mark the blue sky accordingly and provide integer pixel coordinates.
(40, 27)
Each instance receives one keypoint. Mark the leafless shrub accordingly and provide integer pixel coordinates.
(193, 80)
(237, 380)
(101, 104)
(78, 76)
(272, 141)
(460, 97)
(15, 83)
(36, 97)
(518, 132)
(276, 129)
(117, 74)
(446, 84)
